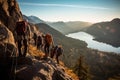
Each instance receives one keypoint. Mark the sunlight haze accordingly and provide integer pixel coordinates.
(72, 10)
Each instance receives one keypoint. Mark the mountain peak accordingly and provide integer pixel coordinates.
(33, 19)
(116, 20)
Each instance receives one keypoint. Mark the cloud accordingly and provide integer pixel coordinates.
(63, 5)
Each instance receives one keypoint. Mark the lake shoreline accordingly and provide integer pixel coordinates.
(107, 42)
(93, 43)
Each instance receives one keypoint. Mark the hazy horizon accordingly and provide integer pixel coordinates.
(70, 20)
(72, 10)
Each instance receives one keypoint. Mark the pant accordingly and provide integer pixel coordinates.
(57, 57)
(46, 49)
(35, 41)
(39, 45)
(52, 53)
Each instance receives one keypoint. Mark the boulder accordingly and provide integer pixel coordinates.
(7, 43)
(42, 70)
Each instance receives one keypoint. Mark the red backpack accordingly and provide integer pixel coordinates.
(48, 38)
(21, 27)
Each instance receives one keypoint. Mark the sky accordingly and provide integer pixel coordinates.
(71, 10)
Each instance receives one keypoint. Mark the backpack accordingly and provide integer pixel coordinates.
(55, 49)
(59, 51)
(21, 28)
(48, 39)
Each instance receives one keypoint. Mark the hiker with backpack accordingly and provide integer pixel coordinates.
(48, 43)
(23, 34)
(53, 51)
(59, 52)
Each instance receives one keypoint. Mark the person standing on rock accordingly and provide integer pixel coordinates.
(53, 51)
(35, 38)
(59, 52)
(23, 34)
(48, 43)
(39, 42)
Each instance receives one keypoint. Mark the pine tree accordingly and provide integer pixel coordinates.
(82, 70)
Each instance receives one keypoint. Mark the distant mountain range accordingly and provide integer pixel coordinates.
(107, 32)
(63, 27)
(33, 19)
(69, 27)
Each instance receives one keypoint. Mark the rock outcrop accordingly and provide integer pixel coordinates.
(7, 43)
(42, 70)
(9, 13)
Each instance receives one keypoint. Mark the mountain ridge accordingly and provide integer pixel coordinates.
(107, 32)
(33, 19)
(69, 27)
(61, 26)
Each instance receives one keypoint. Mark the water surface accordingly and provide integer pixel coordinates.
(92, 43)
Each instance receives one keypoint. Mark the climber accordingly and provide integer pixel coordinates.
(53, 51)
(39, 42)
(59, 52)
(23, 35)
(43, 40)
(35, 38)
(48, 43)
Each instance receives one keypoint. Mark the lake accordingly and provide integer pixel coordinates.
(92, 43)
